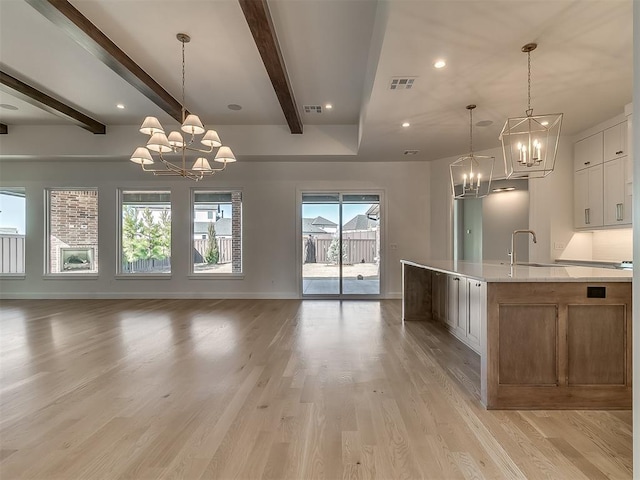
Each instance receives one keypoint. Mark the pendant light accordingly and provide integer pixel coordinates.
(471, 174)
(530, 143)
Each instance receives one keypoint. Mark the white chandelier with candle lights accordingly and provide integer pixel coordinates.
(471, 174)
(530, 143)
(176, 143)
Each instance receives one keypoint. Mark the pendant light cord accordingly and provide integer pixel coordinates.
(471, 131)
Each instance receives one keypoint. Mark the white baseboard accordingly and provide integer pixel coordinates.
(157, 295)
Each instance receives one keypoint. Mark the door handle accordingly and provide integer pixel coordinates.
(619, 212)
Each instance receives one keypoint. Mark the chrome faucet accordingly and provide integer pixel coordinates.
(513, 246)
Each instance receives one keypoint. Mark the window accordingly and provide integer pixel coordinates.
(13, 217)
(145, 232)
(72, 225)
(217, 232)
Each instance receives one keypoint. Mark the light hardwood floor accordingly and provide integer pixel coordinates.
(268, 389)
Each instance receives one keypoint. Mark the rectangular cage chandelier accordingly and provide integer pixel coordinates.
(471, 174)
(530, 143)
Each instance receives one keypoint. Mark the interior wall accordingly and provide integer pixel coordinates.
(503, 213)
(270, 230)
(551, 207)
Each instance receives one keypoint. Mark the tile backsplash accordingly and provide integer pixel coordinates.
(600, 245)
(613, 245)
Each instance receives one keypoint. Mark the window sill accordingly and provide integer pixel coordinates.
(12, 276)
(143, 276)
(216, 276)
(70, 276)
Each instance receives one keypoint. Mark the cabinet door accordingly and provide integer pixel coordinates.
(580, 198)
(476, 306)
(588, 197)
(453, 291)
(615, 141)
(595, 216)
(463, 307)
(628, 188)
(617, 203)
(588, 152)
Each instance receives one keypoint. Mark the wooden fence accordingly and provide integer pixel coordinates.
(200, 249)
(11, 253)
(356, 250)
(149, 265)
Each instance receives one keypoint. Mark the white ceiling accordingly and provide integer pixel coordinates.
(340, 51)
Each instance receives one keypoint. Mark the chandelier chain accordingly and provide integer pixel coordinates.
(183, 107)
(529, 109)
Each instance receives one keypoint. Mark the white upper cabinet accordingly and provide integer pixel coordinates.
(603, 179)
(588, 152)
(615, 142)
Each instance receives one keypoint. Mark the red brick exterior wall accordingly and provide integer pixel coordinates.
(236, 232)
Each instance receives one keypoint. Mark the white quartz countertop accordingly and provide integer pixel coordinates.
(497, 272)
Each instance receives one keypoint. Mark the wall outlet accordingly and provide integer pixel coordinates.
(559, 245)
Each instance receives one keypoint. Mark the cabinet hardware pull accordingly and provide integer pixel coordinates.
(619, 212)
(619, 152)
(587, 163)
(586, 216)
(456, 279)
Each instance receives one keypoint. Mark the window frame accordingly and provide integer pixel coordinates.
(120, 274)
(192, 203)
(48, 274)
(19, 275)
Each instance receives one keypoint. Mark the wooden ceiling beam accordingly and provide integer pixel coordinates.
(86, 34)
(256, 12)
(3, 129)
(35, 97)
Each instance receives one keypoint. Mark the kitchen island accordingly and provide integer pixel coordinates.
(549, 337)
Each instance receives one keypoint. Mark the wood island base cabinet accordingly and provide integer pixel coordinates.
(542, 344)
(550, 346)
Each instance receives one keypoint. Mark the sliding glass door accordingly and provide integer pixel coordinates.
(340, 237)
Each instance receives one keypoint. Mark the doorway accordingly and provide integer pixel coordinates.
(340, 237)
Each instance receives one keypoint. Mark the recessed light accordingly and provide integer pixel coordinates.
(544, 123)
(440, 63)
(234, 106)
(8, 106)
(484, 123)
(120, 106)
(328, 106)
(406, 124)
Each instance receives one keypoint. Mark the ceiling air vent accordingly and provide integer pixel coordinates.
(411, 152)
(313, 109)
(401, 83)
